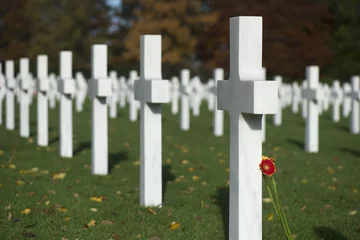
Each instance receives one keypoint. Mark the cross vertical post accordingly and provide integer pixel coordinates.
(99, 90)
(218, 114)
(42, 101)
(355, 96)
(66, 87)
(246, 96)
(10, 95)
(185, 100)
(151, 91)
(24, 99)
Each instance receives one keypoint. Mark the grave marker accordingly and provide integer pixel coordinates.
(24, 98)
(313, 95)
(151, 91)
(66, 86)
(247, 97)
(99, 89)
(42, 101)
(278, 115)
(185, 100)
(218, 123)
(10, 95)
(355, 96)
(336, 95)
(2, 93)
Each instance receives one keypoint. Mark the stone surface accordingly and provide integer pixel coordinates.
(24, 98)
(10, 95)
(185, 100)
(42, 101)
(151, 91)
(218, 122)
(100, 89)
(247, 97)
(355, 118)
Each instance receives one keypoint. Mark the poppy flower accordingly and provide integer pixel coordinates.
(267, 166)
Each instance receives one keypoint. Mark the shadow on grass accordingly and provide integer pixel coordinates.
(54, 140)
(222, 199)
(167, 176)
(343, 128)
(327, 233)
(82, 146)
(356, 153)
(297, 143)
(115, 158)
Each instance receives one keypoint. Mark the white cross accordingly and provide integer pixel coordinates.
(346, 100)
(313, 95)
(66, 86)
(336, 95)
(185, 90)
(10, 95)
(278, 115)
(151, 91)
(2, 93)
(99, 90)
(42, 101)
(355, 96)
(24, 99)
(133, 114)
(247, 97)
(218, 122)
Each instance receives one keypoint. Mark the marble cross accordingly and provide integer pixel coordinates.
(304, 101)
(185, 90)
(133, 113)
(355, 96)
(151, 91)
(175, 86)
(336, 95)
(278, 115)
(81, 91)
(346, 100)
(122, 91)
(246, 96)
(24, 98)
(10, 95)
(113, 98)
(313, 95)
(99, 90)
(42, 101)
(53, 88)
(218, 122)
(2, 94)
(263, 124)
(66, 86)
(196, 96)
(296, 96)
(210, 88)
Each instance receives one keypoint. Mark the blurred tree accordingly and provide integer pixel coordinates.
(68, 25)
(14, 30)
(296, 33)
(346, 39)
(180, 22)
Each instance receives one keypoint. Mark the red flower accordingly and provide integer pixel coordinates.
(267, 166)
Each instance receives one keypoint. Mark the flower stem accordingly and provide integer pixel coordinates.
(281, 212)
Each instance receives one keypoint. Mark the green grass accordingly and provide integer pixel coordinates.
(314, 210)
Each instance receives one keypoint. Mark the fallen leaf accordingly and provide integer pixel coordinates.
(12, 166)
(354, 190)
(30, 140)
(330, 170)
(174, 226)
(108, 222)
(203, 183)
(59, 176)
(303, 208)
(191, 169)
(269, 217)
(9, 216)
(221, 161)
(47, 203)
(184, 162)
(352, 212)
(20, 183)
(35, 169)
(195, 178)
(118, 193)
(67, 219)
(115, 236)
(62, 209)
(26, 211)
(97, 199)
(152, 211)
(332, 188)
(76, 195)
(137, 163)
(93, 209)
(2, 152)
(305, 181)
(92, 223)
(267, 200)
(202, 204)
(227, 169)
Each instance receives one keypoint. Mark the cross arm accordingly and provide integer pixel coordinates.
(152, 91)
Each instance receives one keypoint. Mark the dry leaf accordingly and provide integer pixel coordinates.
(62, 209)
(26, 211)
(67, 219)
(269, 217)
(20, 183)
(59, 176)
(152, 211)
(137, 163)
(92, 223)
(227, 169)
(174, 225)
(352, 212)
(93, 209)
(184, 162)
(106, 222)
(97, 199)
(305, 181)
(195, 178)
(332, 188)
(267, 200)
(330, 170)
(203, 183)
(116, 236)
(202, 204)
(354, 190)
(191, 169)
(303, 208)
(12, 166)
(76, 195)
(9, 216)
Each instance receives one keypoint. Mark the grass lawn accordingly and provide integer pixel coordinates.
(319, 191)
